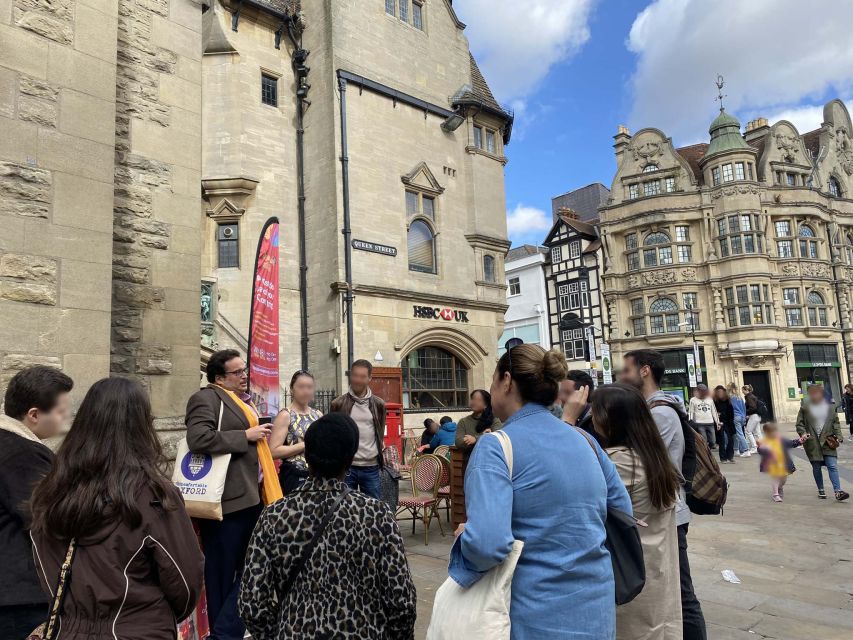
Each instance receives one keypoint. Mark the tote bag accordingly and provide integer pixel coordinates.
(200, 477)
(480, 612)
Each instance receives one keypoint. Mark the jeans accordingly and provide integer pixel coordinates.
(742, 445)
(17, 622)
(708, 432)
(366, 479)
(691, 610)
(727, 445)
(225, 544)
(831, 464)
(753, 430)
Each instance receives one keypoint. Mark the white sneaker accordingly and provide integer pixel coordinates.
(751, 451)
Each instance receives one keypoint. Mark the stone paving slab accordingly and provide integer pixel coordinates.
(795, 559)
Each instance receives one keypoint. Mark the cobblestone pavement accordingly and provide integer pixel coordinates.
(795, 559)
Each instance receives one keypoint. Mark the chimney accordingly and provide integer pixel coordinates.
(568, 213)
(756, 129)
(623, 139)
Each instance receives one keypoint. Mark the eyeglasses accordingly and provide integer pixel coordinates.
(238, 372)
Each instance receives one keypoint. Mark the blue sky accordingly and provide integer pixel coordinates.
(575, 69)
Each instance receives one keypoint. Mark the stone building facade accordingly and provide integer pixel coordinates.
(416, 208)
(100, 109)
(744, 244)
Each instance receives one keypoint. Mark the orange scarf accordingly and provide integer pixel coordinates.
(270, 489)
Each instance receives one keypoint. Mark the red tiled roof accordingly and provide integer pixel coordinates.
(692, 155)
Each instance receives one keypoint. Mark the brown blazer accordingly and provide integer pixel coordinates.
(132, 584)
(241, 483)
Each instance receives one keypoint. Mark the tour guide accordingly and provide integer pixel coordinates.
(239, 434)
(368, 412)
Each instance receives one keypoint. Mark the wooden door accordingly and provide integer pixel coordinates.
(387, 383)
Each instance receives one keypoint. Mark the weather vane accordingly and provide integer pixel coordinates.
(720, 84)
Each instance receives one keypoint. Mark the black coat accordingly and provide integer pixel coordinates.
(726, 413)
(22, 464)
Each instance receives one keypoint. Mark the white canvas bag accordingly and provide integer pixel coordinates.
(200, 477)
(480, 612)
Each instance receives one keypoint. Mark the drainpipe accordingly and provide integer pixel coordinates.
(347, 230)
(832, 257)
(297, 60)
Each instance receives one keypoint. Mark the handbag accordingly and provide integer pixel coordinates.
(200, 477)
(623, 543)
(50, 629)
(832, 442)
(308, 549)
(481, 611)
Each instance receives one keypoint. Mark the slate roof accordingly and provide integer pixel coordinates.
(525, 250)
(584, 201)
(480, 87)
(693, 154)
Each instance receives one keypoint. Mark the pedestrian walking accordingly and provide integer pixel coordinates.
(754, 418)
(644, 369)
(328, 562)
(288, 431)
(632, 442)
(556, 501)
(739, 408)
(703, 413)
(776, 460)
(107, 508)
(36, 407)
(368, 412)
(726, 416)
(446, 434)
(482, 420)
(817, 419)
(221, 419)
(847, 406)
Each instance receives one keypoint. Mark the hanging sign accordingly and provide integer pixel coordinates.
(691, 369)
(606, 363)
(698, 361)
(590, 338)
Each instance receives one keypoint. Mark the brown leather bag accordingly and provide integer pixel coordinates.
(832, 442)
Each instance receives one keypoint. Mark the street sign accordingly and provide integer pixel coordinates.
(691, 369)
(590, 338)
(698, 361)
(606, 363)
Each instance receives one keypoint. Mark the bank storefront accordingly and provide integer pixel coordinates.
(677, 379)
(818, 363)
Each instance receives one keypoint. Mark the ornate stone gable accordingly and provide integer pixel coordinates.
(836, 147)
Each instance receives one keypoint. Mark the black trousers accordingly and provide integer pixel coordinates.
(727, 444)
(691, 610)
(17, 622)
(225, 544)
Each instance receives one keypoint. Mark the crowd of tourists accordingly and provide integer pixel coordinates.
(98, 542)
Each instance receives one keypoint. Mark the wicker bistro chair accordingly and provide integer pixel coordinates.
(423, 503)
(444, 485)
(442, 451)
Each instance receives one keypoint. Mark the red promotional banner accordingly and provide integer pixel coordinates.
(264, 325)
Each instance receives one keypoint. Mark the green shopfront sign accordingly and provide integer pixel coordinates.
(814, 365)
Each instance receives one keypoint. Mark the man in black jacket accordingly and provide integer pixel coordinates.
(36, 407)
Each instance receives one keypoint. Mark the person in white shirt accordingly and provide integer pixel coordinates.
(703, 413)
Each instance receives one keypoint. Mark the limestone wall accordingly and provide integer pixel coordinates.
(57, 114)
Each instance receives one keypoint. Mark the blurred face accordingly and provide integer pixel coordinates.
(236, 376)
(770, 430)
(745, 391)
(432, 426)
(502, 396)
(633, 375)
(816, 394)
(478, 403)
(701, 393)
(359, 378)
(47, 424)
(303, 390)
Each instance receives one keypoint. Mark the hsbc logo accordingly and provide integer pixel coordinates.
(437, 313)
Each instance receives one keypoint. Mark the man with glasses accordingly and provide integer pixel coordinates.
(216, 424)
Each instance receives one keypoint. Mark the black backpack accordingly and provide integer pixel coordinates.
(762, 410)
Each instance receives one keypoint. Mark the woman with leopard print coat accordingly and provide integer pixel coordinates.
(355, 583)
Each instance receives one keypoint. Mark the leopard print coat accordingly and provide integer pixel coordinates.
(356, 585)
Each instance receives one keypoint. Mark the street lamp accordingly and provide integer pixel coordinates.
(691, 322)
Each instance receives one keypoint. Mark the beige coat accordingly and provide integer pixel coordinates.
(656, 613)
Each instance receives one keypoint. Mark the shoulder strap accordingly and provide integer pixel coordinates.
(308, 549)
(219, 422)
(52, 628)
(591, 445)
(506, 445)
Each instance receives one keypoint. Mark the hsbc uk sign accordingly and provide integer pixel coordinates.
(437, 313)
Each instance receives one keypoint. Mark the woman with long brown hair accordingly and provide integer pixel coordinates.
(632, 441)
(136, 565)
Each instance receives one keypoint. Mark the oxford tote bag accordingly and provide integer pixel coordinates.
(200, 477)
(480, 612)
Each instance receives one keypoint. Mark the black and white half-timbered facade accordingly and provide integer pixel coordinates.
(573, 285)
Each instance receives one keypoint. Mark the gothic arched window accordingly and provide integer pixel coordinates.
(817, 309)
(421, 244)
(834, 187)
(808, 242)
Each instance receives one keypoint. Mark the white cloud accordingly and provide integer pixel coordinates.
(517, 42)
(528, 222)
(777, 56)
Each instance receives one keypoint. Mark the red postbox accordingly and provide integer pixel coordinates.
(394, 426)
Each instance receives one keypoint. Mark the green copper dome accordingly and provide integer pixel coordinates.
(725, 135)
